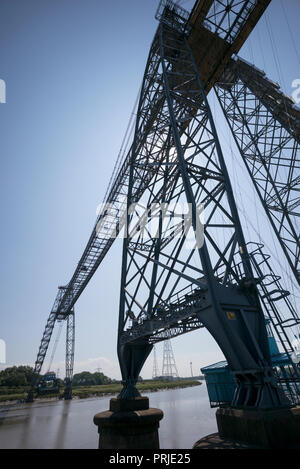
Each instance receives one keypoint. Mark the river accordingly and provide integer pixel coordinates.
(69, 424)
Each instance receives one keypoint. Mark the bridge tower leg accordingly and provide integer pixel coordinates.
(44, 345)
(41, 355)
(70, 344)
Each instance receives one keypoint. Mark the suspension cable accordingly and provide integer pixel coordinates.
(55, 345)
(290, 31)
(124, 146)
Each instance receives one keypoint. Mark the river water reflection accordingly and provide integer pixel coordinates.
(69, 424)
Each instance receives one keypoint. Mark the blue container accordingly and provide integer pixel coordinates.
(221, 384)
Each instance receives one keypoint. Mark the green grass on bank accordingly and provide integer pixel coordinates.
(13, 396)
(83, 392)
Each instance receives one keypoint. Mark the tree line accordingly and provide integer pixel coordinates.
(17, 376)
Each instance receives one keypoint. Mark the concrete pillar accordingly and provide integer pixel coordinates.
(267, 429)
(274, 428)
(129, 424)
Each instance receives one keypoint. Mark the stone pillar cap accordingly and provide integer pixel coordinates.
(125, 405)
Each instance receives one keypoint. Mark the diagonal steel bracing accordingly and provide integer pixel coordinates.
(168, 170)
(184, 148)
(265, 124)
(70, 344)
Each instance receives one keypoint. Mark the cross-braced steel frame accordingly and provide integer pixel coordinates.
(181, 159)
(266, 127)
(70, 344)
(169, 368)
(168, 290)
(70, 341)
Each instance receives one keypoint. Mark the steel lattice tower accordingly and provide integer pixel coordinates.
(177, 156)
(54, 318)
(169, 368)
(177, 278)
(70, 344)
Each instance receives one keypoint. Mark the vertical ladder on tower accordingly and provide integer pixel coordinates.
(283, 317)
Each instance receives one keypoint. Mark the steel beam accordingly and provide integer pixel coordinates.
(265, 125)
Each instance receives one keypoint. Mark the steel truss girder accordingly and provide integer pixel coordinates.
(175, 330)
(266, 128)
(183, 146)
(226, 18)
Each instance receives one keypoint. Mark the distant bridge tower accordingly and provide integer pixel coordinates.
(70, 343)
(169, 368)
(155, 373)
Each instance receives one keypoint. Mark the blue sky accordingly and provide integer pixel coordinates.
(72, 70)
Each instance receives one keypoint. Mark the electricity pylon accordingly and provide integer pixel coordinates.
(169, 368)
